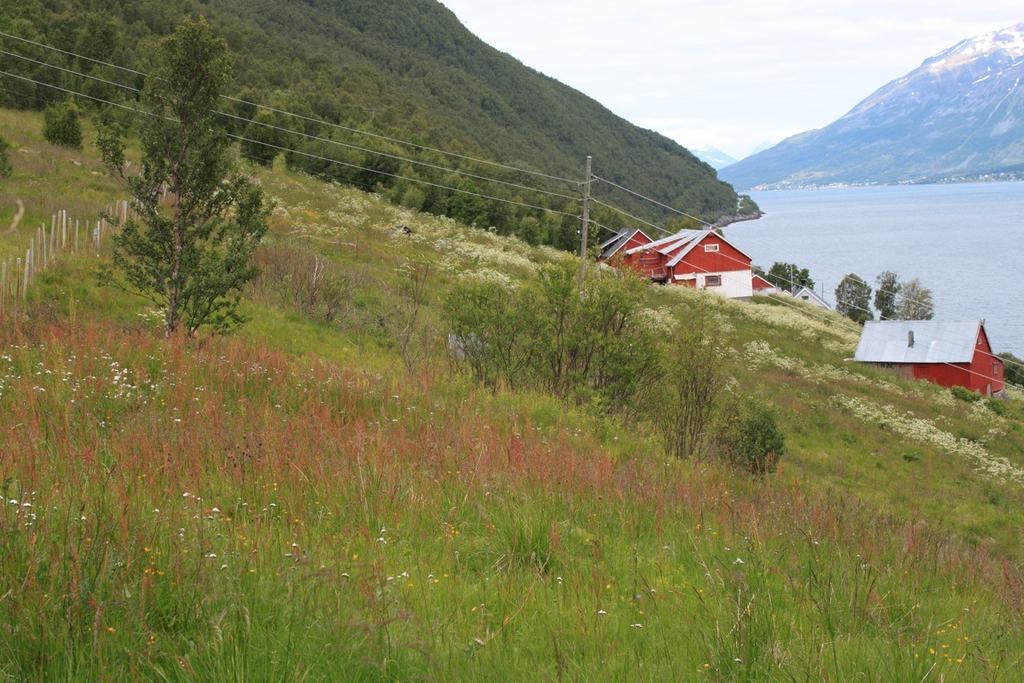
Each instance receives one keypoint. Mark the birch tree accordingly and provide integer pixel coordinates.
(199, 220)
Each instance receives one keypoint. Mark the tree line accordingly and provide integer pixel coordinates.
(894, 298)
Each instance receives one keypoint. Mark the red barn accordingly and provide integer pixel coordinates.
(704, 259)
(948, 354)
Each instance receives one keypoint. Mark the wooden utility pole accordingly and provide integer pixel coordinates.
(586, 219)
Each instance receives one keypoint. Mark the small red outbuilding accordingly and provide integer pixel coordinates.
(948, 354)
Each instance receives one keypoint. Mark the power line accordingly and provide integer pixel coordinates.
(396, 156)
(860, 308)
(79, 94)
(70, 71)
(395, 175)
(306, 154)
(399, 141)
(631, 216)
(791, 282)
(367, 150)
(831, 321)
(653, 201)
(338, 143)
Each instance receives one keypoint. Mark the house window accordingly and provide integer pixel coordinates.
(710, 248)
(995, 368)
(713, 281)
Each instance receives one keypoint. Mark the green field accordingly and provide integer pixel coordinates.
(303, 501)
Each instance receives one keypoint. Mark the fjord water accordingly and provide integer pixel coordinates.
(964, 241)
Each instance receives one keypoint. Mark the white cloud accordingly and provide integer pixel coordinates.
(731, 73)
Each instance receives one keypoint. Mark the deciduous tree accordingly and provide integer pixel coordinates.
(789, 277)
(885, 294)
(853, 298)
(915, 301)
(191, 255)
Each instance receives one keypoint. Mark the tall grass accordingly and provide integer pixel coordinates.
(223, 512)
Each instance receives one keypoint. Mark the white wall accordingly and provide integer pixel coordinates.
(736, 284)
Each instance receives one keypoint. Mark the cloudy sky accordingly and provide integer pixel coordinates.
(732, 74)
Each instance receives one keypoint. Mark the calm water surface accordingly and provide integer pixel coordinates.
(965, 242)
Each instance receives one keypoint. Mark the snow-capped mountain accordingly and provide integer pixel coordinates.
(714, 157)
(960, 114)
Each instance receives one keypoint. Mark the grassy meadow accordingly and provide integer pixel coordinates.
(308, 499)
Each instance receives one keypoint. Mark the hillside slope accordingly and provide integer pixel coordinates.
(959, 115)
(301, 502)
(406, 68)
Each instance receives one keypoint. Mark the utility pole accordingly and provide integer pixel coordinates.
(586, 219)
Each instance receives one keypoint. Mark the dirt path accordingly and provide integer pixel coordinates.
(17, 217)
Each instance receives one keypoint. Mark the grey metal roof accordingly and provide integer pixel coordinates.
(610, 246)
(888, 341)
(694, 241)
(681, 236)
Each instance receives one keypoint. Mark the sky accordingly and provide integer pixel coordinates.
(729, 74)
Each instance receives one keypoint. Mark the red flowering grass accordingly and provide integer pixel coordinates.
(218, 509)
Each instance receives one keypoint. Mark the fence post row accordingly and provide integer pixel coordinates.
(17, 276)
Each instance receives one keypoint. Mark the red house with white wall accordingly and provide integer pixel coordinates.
(703, 259)
(948, 354)
(762, 286)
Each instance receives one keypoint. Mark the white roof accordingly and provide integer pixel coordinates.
(808, 294)
(888, 341)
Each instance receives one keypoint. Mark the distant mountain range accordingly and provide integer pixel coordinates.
(714, 157)
(960, 115)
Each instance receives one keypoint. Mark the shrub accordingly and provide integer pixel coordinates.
(965, 394)
(301, 278)
(688, 399)
(5, 161)
(1014, 368)
(997, 407)
(595, 348)
(61, 126)
(751, 439)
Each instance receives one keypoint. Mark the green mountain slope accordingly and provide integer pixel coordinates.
(405, 68)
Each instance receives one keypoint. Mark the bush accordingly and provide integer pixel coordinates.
(5, 161)
(303, 279)
(61, 126)
(965, 394)
(997, 407)
(690, 386)
(1014, 368)
(752, 440)
(545, 336)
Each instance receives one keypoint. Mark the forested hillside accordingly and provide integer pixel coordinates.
(406, 69)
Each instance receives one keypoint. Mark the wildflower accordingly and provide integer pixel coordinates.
(637, 625)
(738, 561)
(601, 613)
